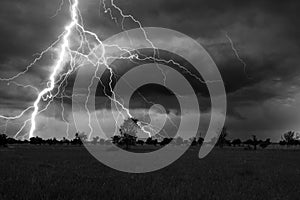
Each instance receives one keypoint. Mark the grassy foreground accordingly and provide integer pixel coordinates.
(43, 172)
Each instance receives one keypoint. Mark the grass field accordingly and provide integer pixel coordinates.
(34, 172)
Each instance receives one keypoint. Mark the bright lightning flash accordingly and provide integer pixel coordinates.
(67, 54)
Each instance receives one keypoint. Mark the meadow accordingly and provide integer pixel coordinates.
(59, 172)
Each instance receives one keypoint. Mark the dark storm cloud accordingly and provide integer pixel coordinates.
(27, 27)
(207, 17)
(265, 34)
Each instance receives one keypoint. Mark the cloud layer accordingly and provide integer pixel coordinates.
(263, 97)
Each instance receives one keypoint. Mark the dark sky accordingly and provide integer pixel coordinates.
(263, 96)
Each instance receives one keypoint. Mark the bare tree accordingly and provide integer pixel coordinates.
(128, 131)
(222, 138)
(255, 142)
(289, 138)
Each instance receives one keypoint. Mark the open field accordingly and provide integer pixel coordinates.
(43, 172)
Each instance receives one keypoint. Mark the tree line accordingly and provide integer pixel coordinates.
(5, 140)
(127, 138)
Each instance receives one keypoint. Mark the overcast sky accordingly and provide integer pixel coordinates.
(263, 95)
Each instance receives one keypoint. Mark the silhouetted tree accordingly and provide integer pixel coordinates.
(194, 141)
(155, 142)
(255, 142)
(65, 141)
(12, 141)
(297, 138)
(128, 132)
(165, 141)
(52, 141)
(236, 142)
(48, 141)
(151, 141)
(200, 141)
(289, 138)
(3, 140)
(282, 143)
(140, 142)
(82, 136)
(248, 143)
(79, 138)
(128, 140)
(148, 141)
(265, 143)
(222, 138)
(36, 140)
(129, 127)
(116, 139)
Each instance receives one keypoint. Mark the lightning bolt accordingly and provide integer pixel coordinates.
(236, 53)
(84, 52)
(65, 51)
(65, 46)
(59, 9)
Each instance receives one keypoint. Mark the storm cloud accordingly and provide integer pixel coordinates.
(265, 34)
